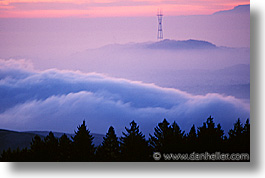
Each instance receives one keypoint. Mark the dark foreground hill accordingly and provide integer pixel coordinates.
(14, 139)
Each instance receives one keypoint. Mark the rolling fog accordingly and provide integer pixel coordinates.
(198, 71)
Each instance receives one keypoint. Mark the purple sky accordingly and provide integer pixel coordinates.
(58, 37)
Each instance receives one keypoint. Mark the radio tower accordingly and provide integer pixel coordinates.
(159, 32)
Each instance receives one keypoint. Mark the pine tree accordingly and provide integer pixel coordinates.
(192, 140)
(167, 138)
(7, 156)
(24, 155)
(16, 154)
(51, 152)
(246, 133)
(83, 146)
(110, 148)
(161, 139)
(237, 142)
(64, 148)
(134, 147)
(237, 131)
(37, 149)
(192, 135)
(178, 139)
(210, 137)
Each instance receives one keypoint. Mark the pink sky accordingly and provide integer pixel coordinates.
(110, 8)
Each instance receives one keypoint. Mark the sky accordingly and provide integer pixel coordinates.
(53, 38)
(110, 8)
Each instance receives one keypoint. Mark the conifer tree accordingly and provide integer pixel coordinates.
(51, 148)
(24, 155)
(64, 148)
(37, 149)
(161, 139)
(7, 156)
(192, 135)
(192, 140)
(246, 133)
(109, 150)
(210, 137)
(178, 138)
(238, 141)
(83, 146)
(237, 131)
(134, 147)
(167, 138)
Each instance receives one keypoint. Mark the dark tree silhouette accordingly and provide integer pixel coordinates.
(18, 155)
(238, 138)
(51, 151)
(109, 150)
(167, 138)
(161, 138)
(7, 156)
(178, 139)
(83, 146)
(36, 150)
(246, 133)
(192, 140)
(210, 137)
(134, 147)
(64, 148)
(23, 155)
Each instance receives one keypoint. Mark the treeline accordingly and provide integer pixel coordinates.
(132, 145)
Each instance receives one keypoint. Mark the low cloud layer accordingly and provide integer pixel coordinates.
(59, 100)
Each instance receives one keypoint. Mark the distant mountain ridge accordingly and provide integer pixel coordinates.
(184, 44)
(236, 10)
(13, 139)
(166, 44)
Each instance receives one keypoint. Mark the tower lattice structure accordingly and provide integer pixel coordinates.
(160, 31)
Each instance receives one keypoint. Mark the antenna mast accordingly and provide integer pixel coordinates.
(160, 32)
